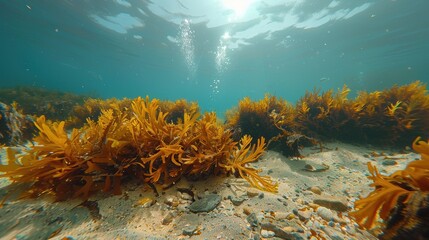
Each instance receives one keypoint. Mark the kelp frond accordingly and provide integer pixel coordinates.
(247, 153)
(394, 189)
(378, 203)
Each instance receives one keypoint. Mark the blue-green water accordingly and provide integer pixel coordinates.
(213, 51)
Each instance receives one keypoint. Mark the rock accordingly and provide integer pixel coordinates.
(206, 204)
(389, 163)
(267, 234)
(190, 230)
(280, 233)
(316, 190)
(325, 213)
(168, 218)
(261, 195)
(252, 220)
(247, 210)
(333, 234)
(304, 215)
(237, 201)
(252, 192)
(172, 201)
(332, 202)
(281, 215)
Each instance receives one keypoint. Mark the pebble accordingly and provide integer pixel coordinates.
(237, 201)
(190, 230)
(252, 220)
(168, 219)
(325, 213)
(206, 204)
(252, 192)
(304, 215)
(316, 190)
(267, 234)
(247, 210)
(389, 163)
(332, 202)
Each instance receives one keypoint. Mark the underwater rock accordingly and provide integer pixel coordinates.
(332, 202)
(15, 128)
(206, 204)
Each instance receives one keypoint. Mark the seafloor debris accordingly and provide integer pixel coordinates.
(15, 128)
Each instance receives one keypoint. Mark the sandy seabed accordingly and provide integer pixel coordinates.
(242, 213)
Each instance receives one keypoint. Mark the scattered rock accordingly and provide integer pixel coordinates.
(168, 218)
(389, 163)
(190, 230)
(252, 220)
(280, 233)
(304, 215)
(251, 192)
(332, 202)
(316, 190)
(267, 234)
(325, 213)
(206, 204)
(247, 210)
(237, 201)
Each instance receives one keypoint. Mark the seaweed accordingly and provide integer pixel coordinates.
(271, 118)
(391, 192)
(136, 143)
(325, 115)
(55, 105)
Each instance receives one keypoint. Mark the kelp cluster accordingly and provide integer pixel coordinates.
(15, 128)
(92, 109)
(55, 105)
(138, 143)
(271, 118)
(401, 200)
(395, 116)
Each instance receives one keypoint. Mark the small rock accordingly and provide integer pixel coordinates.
(316, 190)
(325, 213)
(190, 230)
(389, 163)
(281, 215)
(237, 201)
(332, 202)
(267, 234)
(280, 233)
(168, 218)
(304, 215)
(247, 210)
(252, 220)
(335, 235)
(206, 204)
(261, 195)
(252, 192)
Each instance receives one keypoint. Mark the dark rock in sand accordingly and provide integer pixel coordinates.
(206, 204)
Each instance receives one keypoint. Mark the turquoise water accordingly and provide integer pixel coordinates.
(214, 52)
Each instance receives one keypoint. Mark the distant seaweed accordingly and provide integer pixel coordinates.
(55, 105)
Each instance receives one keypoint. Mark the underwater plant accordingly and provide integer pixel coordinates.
(177, 109)
(325, 115)
(401, 200)
(137, 143)
(271, 118)
(394, 116)
(15, 128)
(55, 105)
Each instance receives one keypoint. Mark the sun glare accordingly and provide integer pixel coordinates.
(238, 6)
